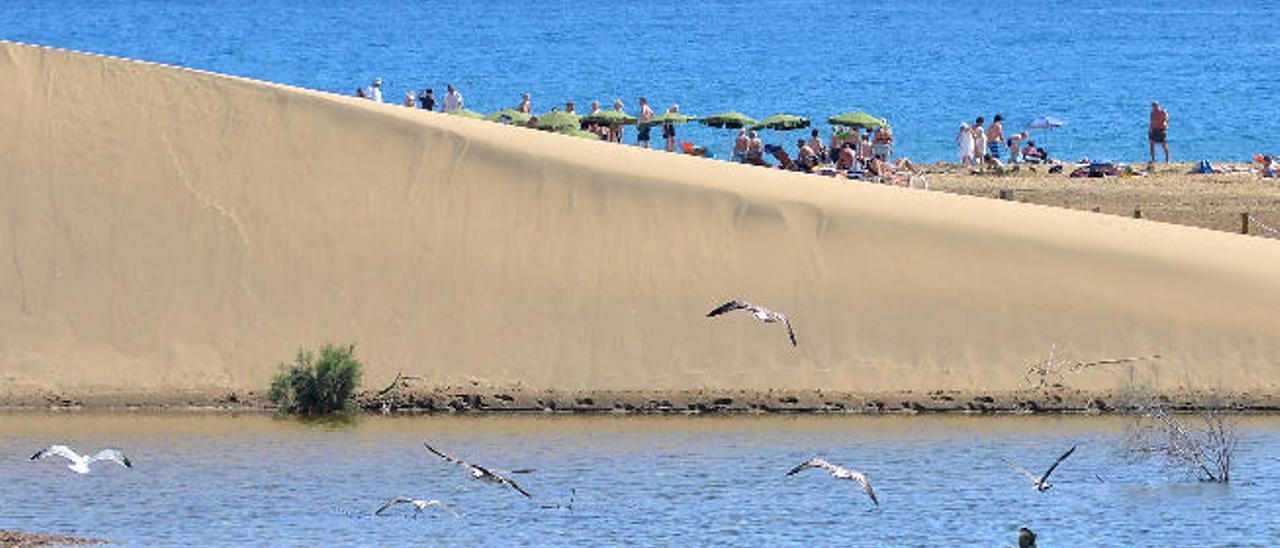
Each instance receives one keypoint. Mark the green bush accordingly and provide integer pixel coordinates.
(318, 387)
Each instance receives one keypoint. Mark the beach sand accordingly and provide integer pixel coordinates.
(172, 235)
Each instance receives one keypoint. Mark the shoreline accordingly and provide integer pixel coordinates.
(453, 400)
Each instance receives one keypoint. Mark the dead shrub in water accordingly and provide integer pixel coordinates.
(1201, 442)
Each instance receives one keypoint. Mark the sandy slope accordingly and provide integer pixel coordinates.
(164, 230)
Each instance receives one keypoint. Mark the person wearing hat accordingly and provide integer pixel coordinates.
(374, 93)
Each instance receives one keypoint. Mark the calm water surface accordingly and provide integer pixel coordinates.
(926, 65)
(226, 480)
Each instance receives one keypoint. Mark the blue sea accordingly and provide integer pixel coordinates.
(925, 66)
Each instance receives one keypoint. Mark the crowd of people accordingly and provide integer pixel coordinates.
(981, 145)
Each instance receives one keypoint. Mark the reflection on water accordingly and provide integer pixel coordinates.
(220, 479)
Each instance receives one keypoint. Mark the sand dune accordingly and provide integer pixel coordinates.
(167, 230)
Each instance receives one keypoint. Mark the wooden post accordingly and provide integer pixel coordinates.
(1244, 223)
(1137, 213)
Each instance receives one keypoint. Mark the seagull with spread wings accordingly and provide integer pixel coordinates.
(761, 313)
(419, 504)
(481, 473)
(838, 472)
(1041, 483)
(80, 463)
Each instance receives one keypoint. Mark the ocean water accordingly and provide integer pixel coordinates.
(218, 480)
(925, 65)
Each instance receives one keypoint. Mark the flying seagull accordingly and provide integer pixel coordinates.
(1041, 483)
(481, 473)
(420, 504)
(761, 313)
(80, 464)
(838, 472)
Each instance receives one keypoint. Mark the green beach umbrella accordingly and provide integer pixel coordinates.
(511, 115)
(782, 122)
(467, 114)
(859, 120)
(609, 117)
(669, 118)
(728, 120)
(580, 133)
(558, 120)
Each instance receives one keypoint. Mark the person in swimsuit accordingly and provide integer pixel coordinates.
(755, 151)
(669, 130)
(526, 105)
(740, 146)
(1158, 132)
(642, 133)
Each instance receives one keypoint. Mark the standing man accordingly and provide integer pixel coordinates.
(642, 133)
(452, 100)
(375, 90)
(427, 99)
(995, 136)
(1158, 132)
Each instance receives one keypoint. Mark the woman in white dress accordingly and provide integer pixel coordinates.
(965, 140)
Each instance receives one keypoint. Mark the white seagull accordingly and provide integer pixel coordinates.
(1041, 483)
(838, 472)
(420, 504)
(761, 313)
(80, 464)
(481, 473)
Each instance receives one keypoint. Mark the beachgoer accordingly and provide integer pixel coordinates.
(965, 140)
(815, 144)
(642, 134)
(669, 130)
(741, 145)
(452, 100)
(525, 106)
(375, 90)
(847, 157)
(865, 153)
(882, 147)
(427, 99)
(1032, 153)
(1158, 132)
(837, 144)
(995, 136)
(805, 158)
(409, 100)
(361, 93)
(595, 107)
(615, 130)
(1015, 146)
(1268, 167)
(979, 140)
(569, 106)
(755, 150)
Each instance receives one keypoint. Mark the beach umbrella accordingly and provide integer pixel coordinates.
(669, 118)
(1045, 122)
(728, 120)
(609, 118)
(858, 120)
(511, 115)
(467, 114)
(575, 132)
(782, 122)
(558, 120)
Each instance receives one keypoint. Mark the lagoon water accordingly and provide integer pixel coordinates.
(926, 66)
(653, 481)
